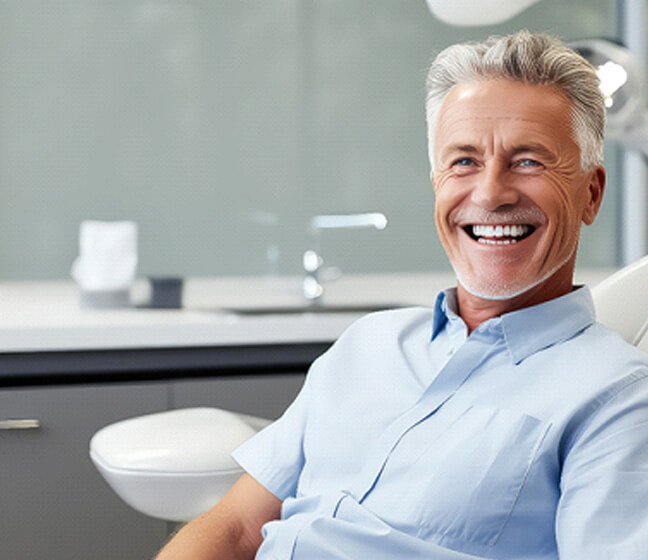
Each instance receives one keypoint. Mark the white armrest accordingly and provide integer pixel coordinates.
(173, 465)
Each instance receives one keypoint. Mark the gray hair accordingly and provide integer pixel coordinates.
(533, 58)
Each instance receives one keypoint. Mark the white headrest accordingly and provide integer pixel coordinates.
(477, 12)
(185, 440)
(621, 301)
(643, 343)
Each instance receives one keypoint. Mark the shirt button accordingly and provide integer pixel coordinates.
(451, 352)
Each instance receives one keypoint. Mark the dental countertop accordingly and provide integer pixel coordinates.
(47, 316)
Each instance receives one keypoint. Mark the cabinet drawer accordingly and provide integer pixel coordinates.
(54, 503)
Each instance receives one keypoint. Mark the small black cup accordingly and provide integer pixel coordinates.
(166, 292)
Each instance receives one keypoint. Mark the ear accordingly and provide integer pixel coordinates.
(595, 190)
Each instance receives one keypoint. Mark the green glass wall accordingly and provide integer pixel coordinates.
(222, 127)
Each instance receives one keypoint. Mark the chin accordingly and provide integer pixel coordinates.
(495, 291)
(498, 290)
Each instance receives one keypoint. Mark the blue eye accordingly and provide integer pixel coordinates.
(527, 163)
(464, 161)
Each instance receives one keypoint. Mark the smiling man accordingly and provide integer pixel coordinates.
(511, 193)
(505, 422)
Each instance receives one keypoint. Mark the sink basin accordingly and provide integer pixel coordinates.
(314, 308)
(283, 296)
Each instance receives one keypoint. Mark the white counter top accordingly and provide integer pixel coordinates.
(41, 316)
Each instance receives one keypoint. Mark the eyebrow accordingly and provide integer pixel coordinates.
(458, 148)
(532, 147)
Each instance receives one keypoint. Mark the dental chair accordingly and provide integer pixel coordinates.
(622, 302)
(175, 465)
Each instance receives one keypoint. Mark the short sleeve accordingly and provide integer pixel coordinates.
(275, 457)
(603, 509)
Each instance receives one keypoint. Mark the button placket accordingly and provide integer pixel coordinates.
(451, 377)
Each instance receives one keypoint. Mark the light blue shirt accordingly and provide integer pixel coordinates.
(526, 440)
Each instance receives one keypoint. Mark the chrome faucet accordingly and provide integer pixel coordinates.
(312, 261)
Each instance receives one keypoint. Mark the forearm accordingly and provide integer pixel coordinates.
(211, 536)
(231, 530)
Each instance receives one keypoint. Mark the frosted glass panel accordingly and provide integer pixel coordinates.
(222, 127)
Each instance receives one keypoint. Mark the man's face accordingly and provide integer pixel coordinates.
(510, 192)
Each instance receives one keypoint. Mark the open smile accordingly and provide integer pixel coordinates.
(498, 234)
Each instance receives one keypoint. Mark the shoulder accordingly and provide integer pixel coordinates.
(394, 322)
(607, 347)
(602, 362)
(377, 343)
(609, 377)
(595, 351)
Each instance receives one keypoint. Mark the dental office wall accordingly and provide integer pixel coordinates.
(222, 127)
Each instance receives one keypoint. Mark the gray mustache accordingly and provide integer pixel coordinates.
(504, 215)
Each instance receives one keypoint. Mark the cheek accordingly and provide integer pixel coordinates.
(448, 190)
(439, 181)
(562, 203)
(559, 203)
(571, 202)
(444, 203)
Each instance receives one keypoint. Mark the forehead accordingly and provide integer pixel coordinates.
(504, 106)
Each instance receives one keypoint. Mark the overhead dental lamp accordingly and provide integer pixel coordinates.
(623, 85)
(474, 13)
(623, 82)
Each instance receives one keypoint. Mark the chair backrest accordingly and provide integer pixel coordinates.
(621, 302)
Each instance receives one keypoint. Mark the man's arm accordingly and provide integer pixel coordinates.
(230, 530)
(603, 508)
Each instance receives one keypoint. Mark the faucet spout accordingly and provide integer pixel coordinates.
(338, 221)
(312, 261)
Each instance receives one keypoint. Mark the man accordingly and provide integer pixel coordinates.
(505, 423)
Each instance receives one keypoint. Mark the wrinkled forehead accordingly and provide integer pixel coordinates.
(504, 106)
(505, 99)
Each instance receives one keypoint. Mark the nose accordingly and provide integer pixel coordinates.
(492, 188)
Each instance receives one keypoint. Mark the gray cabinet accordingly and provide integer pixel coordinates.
(53, 503)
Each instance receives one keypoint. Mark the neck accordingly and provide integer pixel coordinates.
(475, 310)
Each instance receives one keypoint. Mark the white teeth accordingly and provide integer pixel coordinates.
(493, 242)
(481, 231)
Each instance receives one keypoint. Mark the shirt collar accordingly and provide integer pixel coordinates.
(440, 317)
(531, 329)
(445, 311)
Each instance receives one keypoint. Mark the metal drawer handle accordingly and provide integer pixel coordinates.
(22, 424)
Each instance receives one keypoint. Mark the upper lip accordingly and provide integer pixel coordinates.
(533, 218)
(503, 223)
(469, 214)
(524, 221)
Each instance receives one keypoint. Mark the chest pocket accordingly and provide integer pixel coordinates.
(464, 486)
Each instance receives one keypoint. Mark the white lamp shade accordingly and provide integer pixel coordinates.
(477, 12)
